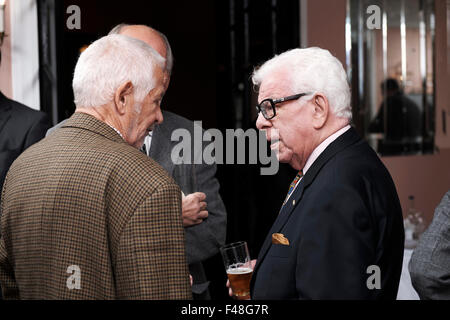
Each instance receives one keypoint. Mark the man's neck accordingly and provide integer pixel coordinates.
(325, 133)
(100, 113)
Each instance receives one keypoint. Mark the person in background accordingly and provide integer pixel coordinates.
(86, 215)
(429, 266)
(339, 233)
(203, 212)
(20, 127)
(403, 120)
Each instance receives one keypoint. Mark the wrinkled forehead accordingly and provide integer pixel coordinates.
(275, 85)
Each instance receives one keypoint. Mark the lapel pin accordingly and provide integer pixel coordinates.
(293, 202)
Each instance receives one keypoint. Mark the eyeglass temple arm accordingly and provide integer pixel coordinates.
(295, 96)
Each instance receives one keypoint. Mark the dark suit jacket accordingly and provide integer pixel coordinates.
(84, 197)
(20, 127)
(346, 217)
(203, 240)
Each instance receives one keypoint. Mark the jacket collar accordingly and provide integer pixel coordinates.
(88, 122)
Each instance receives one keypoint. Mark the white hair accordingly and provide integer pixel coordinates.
(311, 70)
(110, 62)
(169, 55)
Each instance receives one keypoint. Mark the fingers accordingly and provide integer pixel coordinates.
(230, 291)
(203, 215)
(202, 206)
(194, 209)
(199, 195)
(189, 221)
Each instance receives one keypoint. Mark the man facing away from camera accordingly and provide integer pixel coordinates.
(339, 233)
(85, 214)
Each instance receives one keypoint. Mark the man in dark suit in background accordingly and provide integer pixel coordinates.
(203, 212)
(20, 127)
(339, 233)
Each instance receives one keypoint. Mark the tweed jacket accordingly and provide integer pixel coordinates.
(86, 216)
(203, 240)
(430, 262)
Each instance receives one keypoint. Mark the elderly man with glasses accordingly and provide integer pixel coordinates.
(339, 232)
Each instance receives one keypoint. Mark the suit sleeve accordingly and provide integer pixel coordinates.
(204, 240)
(332, 263)
(151, 262)
(37, 130)
(429, 265)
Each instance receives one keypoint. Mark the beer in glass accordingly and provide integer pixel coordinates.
(238, 267)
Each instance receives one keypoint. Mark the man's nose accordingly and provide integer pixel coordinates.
(261, 122)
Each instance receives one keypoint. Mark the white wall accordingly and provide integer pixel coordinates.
(25, 52)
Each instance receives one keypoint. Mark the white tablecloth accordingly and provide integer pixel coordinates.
(406, 290)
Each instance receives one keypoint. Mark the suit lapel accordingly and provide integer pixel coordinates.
(281, 219)
(348, 138)
(161, 147)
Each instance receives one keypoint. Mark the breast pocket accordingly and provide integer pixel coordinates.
(280, 251)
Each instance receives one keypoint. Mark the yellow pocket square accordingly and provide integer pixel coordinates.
(279, 238)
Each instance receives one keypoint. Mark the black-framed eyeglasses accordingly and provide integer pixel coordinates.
(267, 106)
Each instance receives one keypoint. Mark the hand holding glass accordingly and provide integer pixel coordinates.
(238, 267)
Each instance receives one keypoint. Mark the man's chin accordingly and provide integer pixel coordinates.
(283, 157)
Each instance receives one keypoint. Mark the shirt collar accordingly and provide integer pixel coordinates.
(118, 132)
(321, 147)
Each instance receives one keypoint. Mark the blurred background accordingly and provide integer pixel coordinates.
(395, 52)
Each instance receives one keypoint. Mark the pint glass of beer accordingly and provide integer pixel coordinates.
(238, 267)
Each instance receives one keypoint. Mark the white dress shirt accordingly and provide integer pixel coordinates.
(148, 142)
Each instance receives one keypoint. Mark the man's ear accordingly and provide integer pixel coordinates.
(123, 96)
(321, 110)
